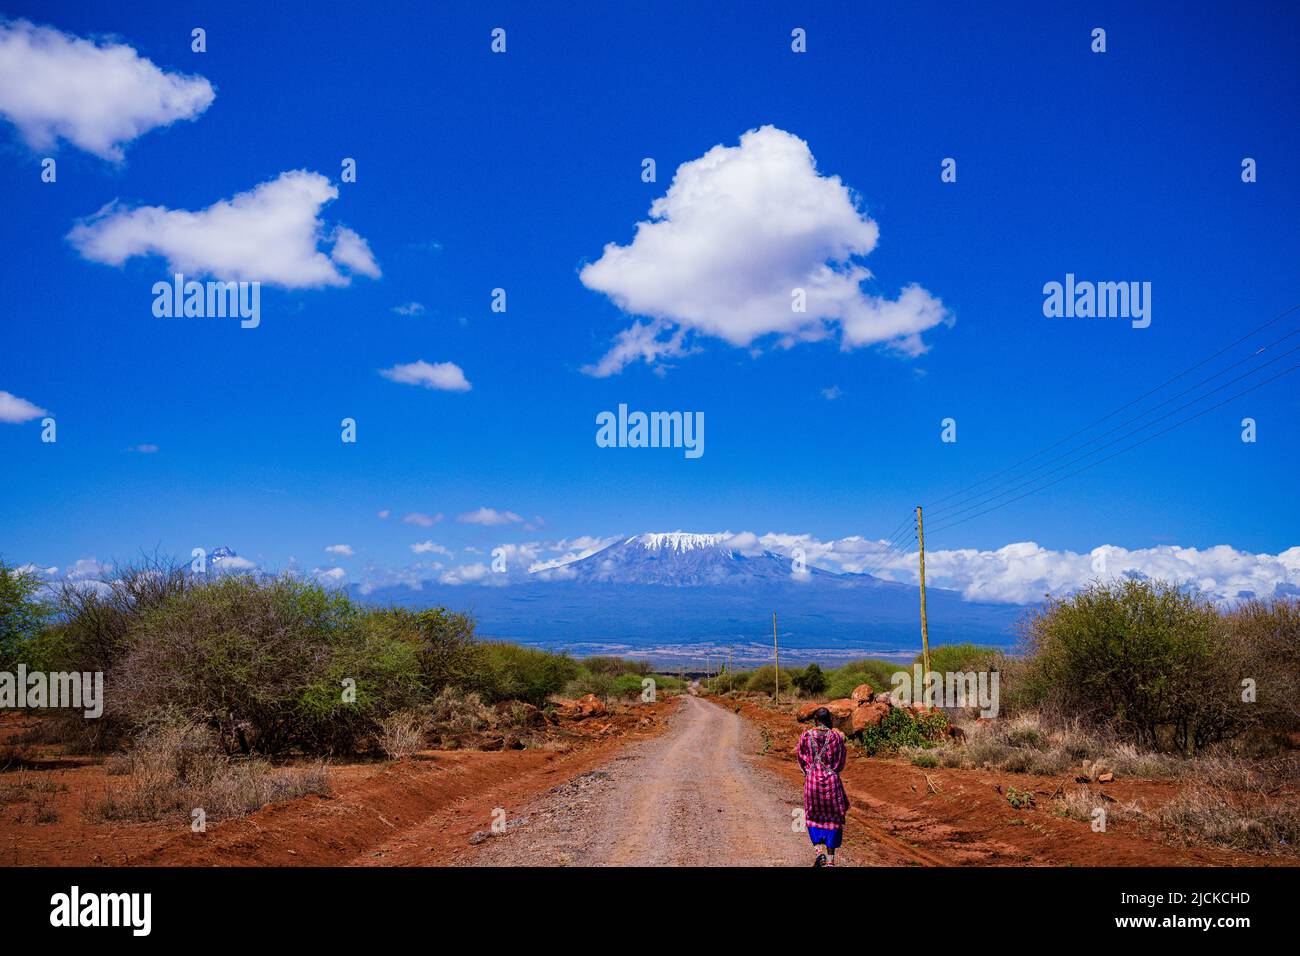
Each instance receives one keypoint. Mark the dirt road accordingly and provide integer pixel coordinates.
(694, 796)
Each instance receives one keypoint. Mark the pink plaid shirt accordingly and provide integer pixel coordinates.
(821, 756)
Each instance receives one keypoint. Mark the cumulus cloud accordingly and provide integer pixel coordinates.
(467, 574)
(271, 234)
(430, 547)
(421, 519)
(352, 252)
(97, 95)
(489, 517)
(15, 410)
(329, 575)
(740, 229)
(572, 549)
(445, 376)
(1023, 572)
(410, 308)
(343, 549)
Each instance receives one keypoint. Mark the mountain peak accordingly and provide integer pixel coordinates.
(679, 541)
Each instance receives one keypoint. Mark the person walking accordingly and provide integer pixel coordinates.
(821, 754)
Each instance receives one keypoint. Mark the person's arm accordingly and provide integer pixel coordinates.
(799, 753)
(841, 752)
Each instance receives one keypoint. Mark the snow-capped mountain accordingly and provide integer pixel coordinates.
(682, 588)
(680, 559)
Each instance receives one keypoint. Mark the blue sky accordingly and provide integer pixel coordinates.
(479, 170)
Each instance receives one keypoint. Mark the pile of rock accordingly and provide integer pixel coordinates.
(859, 711)
(587, 706)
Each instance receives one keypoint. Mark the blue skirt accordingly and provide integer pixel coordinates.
(831, 838)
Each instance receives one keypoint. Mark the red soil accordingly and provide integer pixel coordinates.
(904, 815)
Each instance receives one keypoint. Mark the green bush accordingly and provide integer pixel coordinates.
(1267, 636)
(257, 662)
(963, 658)
(763, 680)
(1153, 663)
(93, 623)
(614, 666)
(22, 614)
(666, 683)
(811, 680)
(513, 672)
(877, 673)
(901, 728)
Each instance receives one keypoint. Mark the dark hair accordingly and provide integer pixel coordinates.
(822, 716)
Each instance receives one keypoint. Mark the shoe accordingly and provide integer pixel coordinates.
(821, 860)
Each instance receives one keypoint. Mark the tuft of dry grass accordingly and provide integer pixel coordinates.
(1028, 743)
(1241, 819)
(453, 711)
(401, 734)
(179, 768)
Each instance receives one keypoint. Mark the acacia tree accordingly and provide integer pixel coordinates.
(22, 613)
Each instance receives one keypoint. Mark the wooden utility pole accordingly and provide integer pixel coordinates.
(776, 648)
(925, 630)
(731, 674)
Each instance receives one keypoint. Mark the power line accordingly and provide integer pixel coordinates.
(966, 498)
(1143, 441)
(1148, 424)
(1273, 321)
(1025, 479)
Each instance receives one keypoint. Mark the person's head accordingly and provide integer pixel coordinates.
(822, 717)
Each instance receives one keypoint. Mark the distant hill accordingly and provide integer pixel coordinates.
(678, 594)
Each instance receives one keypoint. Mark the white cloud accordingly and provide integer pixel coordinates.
(411, 308)
(15, 410)
(572, 549)
(489, 517)
(421, 519)
(352, 252)
(383, 515)
(343, 549)
(738, 231)
(88, 568)
(269, 234)
(145, 449)
(97, 95)
(466, 574)
(832, 393)
(430, 547)
(446, 376)
(1023, 572)
(329, 575)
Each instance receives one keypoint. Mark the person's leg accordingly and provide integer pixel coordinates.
(835, 837)
(819, 840)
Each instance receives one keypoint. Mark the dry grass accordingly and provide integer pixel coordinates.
(1228, 801)
(452, 711)
(402, 734)
(1029, 744)
(1244, 820)
(34, 794)
(177, 769)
